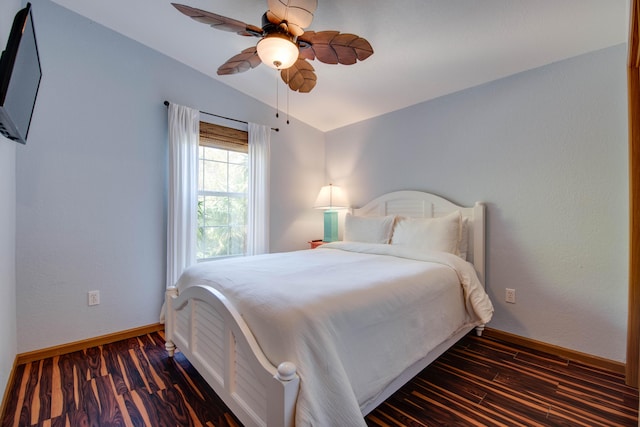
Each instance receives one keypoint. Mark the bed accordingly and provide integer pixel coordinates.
(323, 336)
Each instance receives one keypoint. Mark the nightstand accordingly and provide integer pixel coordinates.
(315, 243)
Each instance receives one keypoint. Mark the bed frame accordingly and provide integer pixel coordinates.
(213, 336)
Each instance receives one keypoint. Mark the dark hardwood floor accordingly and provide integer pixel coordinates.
(480, 381)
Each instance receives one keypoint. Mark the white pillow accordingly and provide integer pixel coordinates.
(463, 247)
(368, 229)
(429, 234)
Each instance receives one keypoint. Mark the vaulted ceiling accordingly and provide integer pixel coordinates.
(423, 48)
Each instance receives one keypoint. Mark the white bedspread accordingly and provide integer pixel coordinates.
(351, 316)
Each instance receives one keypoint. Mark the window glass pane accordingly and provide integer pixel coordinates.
(202, 244)
(236, 157)
(215, 242)
(237, 240)
(200, 211)
(238, 178)
(215, 176)
(211, 153)
(215, 211)
(238, 211)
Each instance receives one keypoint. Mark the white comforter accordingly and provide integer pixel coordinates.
(351, 316)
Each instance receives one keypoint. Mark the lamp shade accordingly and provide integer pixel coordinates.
(331, 197)
(277, 51)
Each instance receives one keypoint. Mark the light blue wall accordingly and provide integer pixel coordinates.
(91, 182)
(8, 338)
(547, 151)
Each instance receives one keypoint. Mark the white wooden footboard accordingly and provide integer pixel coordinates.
(215, 339)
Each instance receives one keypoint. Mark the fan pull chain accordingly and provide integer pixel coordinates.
(288, 90)
(277, 100)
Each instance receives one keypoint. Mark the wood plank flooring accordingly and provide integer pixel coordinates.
(478, 382)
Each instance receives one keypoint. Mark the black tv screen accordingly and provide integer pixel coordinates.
(20, 75)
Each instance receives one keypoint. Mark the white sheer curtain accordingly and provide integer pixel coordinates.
(184, 130)
(258, 215)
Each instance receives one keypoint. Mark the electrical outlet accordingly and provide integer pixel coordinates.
(94, 297)
(510, 295)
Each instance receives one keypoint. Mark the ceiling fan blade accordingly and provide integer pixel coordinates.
(333, 47)
(241, 62)
(297, 13)
(219, 22)
(300, 76)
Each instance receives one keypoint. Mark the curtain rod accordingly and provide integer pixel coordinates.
(223, 117)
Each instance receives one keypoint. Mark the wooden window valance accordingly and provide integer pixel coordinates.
(224, 137)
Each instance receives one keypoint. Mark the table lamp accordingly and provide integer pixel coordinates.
(330, 198)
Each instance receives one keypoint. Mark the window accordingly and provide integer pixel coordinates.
(223, 177)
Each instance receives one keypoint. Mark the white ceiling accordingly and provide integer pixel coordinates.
(423, 48)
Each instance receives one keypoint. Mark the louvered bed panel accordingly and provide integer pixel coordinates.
(247, 388)
(207, 343)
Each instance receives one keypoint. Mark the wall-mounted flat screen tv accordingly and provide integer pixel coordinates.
(20, 75)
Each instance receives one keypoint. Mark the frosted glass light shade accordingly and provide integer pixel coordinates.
(277, 51)
(331, 197)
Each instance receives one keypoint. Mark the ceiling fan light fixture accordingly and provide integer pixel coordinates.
(284, 43)
(277, 51)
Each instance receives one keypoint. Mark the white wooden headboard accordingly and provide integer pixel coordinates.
(417, 204)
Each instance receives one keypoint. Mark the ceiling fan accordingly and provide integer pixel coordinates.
(284, 44)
